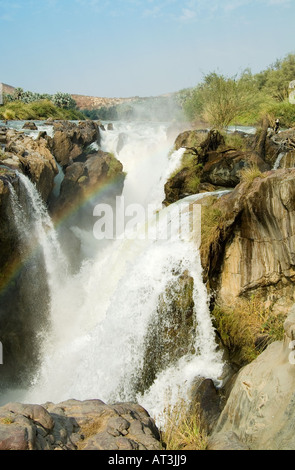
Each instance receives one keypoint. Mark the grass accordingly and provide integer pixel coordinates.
(182, 429)
(6, 421)
(250, 173)
(234, 141)
(247, 328)
(212, 219)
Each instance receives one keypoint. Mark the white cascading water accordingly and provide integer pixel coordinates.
(36, 231)
(100, 316)
(278, 160)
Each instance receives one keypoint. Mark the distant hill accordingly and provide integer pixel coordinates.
(7, 88)
(83, 102)
(95, 102)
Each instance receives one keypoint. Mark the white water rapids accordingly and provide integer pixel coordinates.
(100, 316)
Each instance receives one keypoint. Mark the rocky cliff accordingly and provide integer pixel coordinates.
(251, 248)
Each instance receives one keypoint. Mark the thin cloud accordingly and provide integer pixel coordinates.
(187, 15)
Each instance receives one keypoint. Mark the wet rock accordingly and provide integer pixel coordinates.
(85, 178)
(30, 125)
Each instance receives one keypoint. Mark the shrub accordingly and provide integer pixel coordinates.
(8, 115)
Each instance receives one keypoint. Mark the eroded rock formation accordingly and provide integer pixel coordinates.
(251, 248)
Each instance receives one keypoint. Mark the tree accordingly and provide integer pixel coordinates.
(219, 100)
(64, 100)
(18, 93)
(276, 78)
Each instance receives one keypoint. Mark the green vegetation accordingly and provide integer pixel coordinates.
(7, 420)
(26, 105)
(115, 167)
(247, 328)
(38, 110)
(243, 99)
(182, 429)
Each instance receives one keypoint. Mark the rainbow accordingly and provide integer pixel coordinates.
(15, 267)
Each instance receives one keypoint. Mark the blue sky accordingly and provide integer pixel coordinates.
(124, 48)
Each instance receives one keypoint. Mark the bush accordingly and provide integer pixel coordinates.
(285, 112)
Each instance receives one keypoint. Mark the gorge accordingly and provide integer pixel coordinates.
(107, 326)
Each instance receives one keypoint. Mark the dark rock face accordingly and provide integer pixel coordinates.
(76, 425)
(30, 125)
(219, 166)
(224, 168)
(210, 161)
(206, 402)
(171, 334)
(23, 293)
(97, 180)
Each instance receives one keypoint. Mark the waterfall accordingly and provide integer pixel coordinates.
(101, 317)
(36, 230)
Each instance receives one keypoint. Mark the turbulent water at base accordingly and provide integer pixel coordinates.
(100, 316)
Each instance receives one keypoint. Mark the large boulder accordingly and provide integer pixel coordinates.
(77, 425)
(30, 126)
(70, 140)
(33, 158)
(260, 410)
(83, 179)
